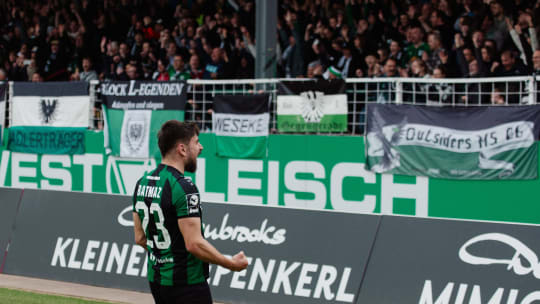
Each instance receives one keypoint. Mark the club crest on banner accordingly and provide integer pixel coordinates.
(382, 141)
(48, 109)
(312, 106)
(135, 131)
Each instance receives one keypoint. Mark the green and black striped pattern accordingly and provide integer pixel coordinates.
(161, 198)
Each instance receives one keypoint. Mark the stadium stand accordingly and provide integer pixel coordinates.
(468, 52)
(141, 39)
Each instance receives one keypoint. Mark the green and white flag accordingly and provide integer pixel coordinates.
(312, 106)
(489, 142)
(240, 124)
(134, 112)
(49, 117)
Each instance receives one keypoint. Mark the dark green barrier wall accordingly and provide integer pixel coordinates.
(296, 256)
(9, 199)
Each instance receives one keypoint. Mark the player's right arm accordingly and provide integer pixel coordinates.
(140, 236)
(203, 250)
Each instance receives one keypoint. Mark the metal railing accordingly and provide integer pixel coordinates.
(360, 92)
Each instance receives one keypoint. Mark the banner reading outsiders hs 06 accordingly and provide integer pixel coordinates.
(457, 143)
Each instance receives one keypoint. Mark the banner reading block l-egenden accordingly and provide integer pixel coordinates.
(134, 112)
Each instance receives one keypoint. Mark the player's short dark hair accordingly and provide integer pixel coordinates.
(174, 131)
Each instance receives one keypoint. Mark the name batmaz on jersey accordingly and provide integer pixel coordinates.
(149, 191)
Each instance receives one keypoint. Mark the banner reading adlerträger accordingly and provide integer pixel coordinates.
(49, 117)
(455, 143)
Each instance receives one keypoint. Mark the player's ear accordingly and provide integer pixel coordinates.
(181, 148)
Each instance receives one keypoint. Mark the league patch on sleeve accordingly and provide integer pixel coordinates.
(193, 202)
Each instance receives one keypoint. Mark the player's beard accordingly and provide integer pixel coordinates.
(191, 164)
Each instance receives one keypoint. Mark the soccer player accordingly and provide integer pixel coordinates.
(167, 222)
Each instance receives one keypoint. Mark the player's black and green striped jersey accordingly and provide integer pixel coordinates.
(161, 198)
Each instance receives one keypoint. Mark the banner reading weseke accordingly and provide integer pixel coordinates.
(312, 106)
(453, 142)
(134, 112)
(240, 124)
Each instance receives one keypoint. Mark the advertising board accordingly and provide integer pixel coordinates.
(430, 261)
(305, 171)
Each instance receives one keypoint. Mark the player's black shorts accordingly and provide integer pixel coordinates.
(192, 294)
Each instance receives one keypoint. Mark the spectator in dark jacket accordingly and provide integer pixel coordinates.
(509, 66)
(214, 68)
(55, 66)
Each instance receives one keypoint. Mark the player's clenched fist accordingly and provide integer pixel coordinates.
(239, 262)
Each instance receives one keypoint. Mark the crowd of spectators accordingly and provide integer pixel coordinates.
(164, 40)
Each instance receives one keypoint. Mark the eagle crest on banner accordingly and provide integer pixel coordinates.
(312, 106)
(48, 107)
(382, 143)
(135, 133)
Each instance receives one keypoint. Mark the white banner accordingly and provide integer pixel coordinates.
(504, 137)
(298, 104)
(65, 111)
(244, 125)
(489, 142)
(135, 133)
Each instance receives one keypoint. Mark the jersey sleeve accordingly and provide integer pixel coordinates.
(134, 198)
(186, 199)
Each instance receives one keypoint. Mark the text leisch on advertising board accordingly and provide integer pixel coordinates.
(306, 171)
